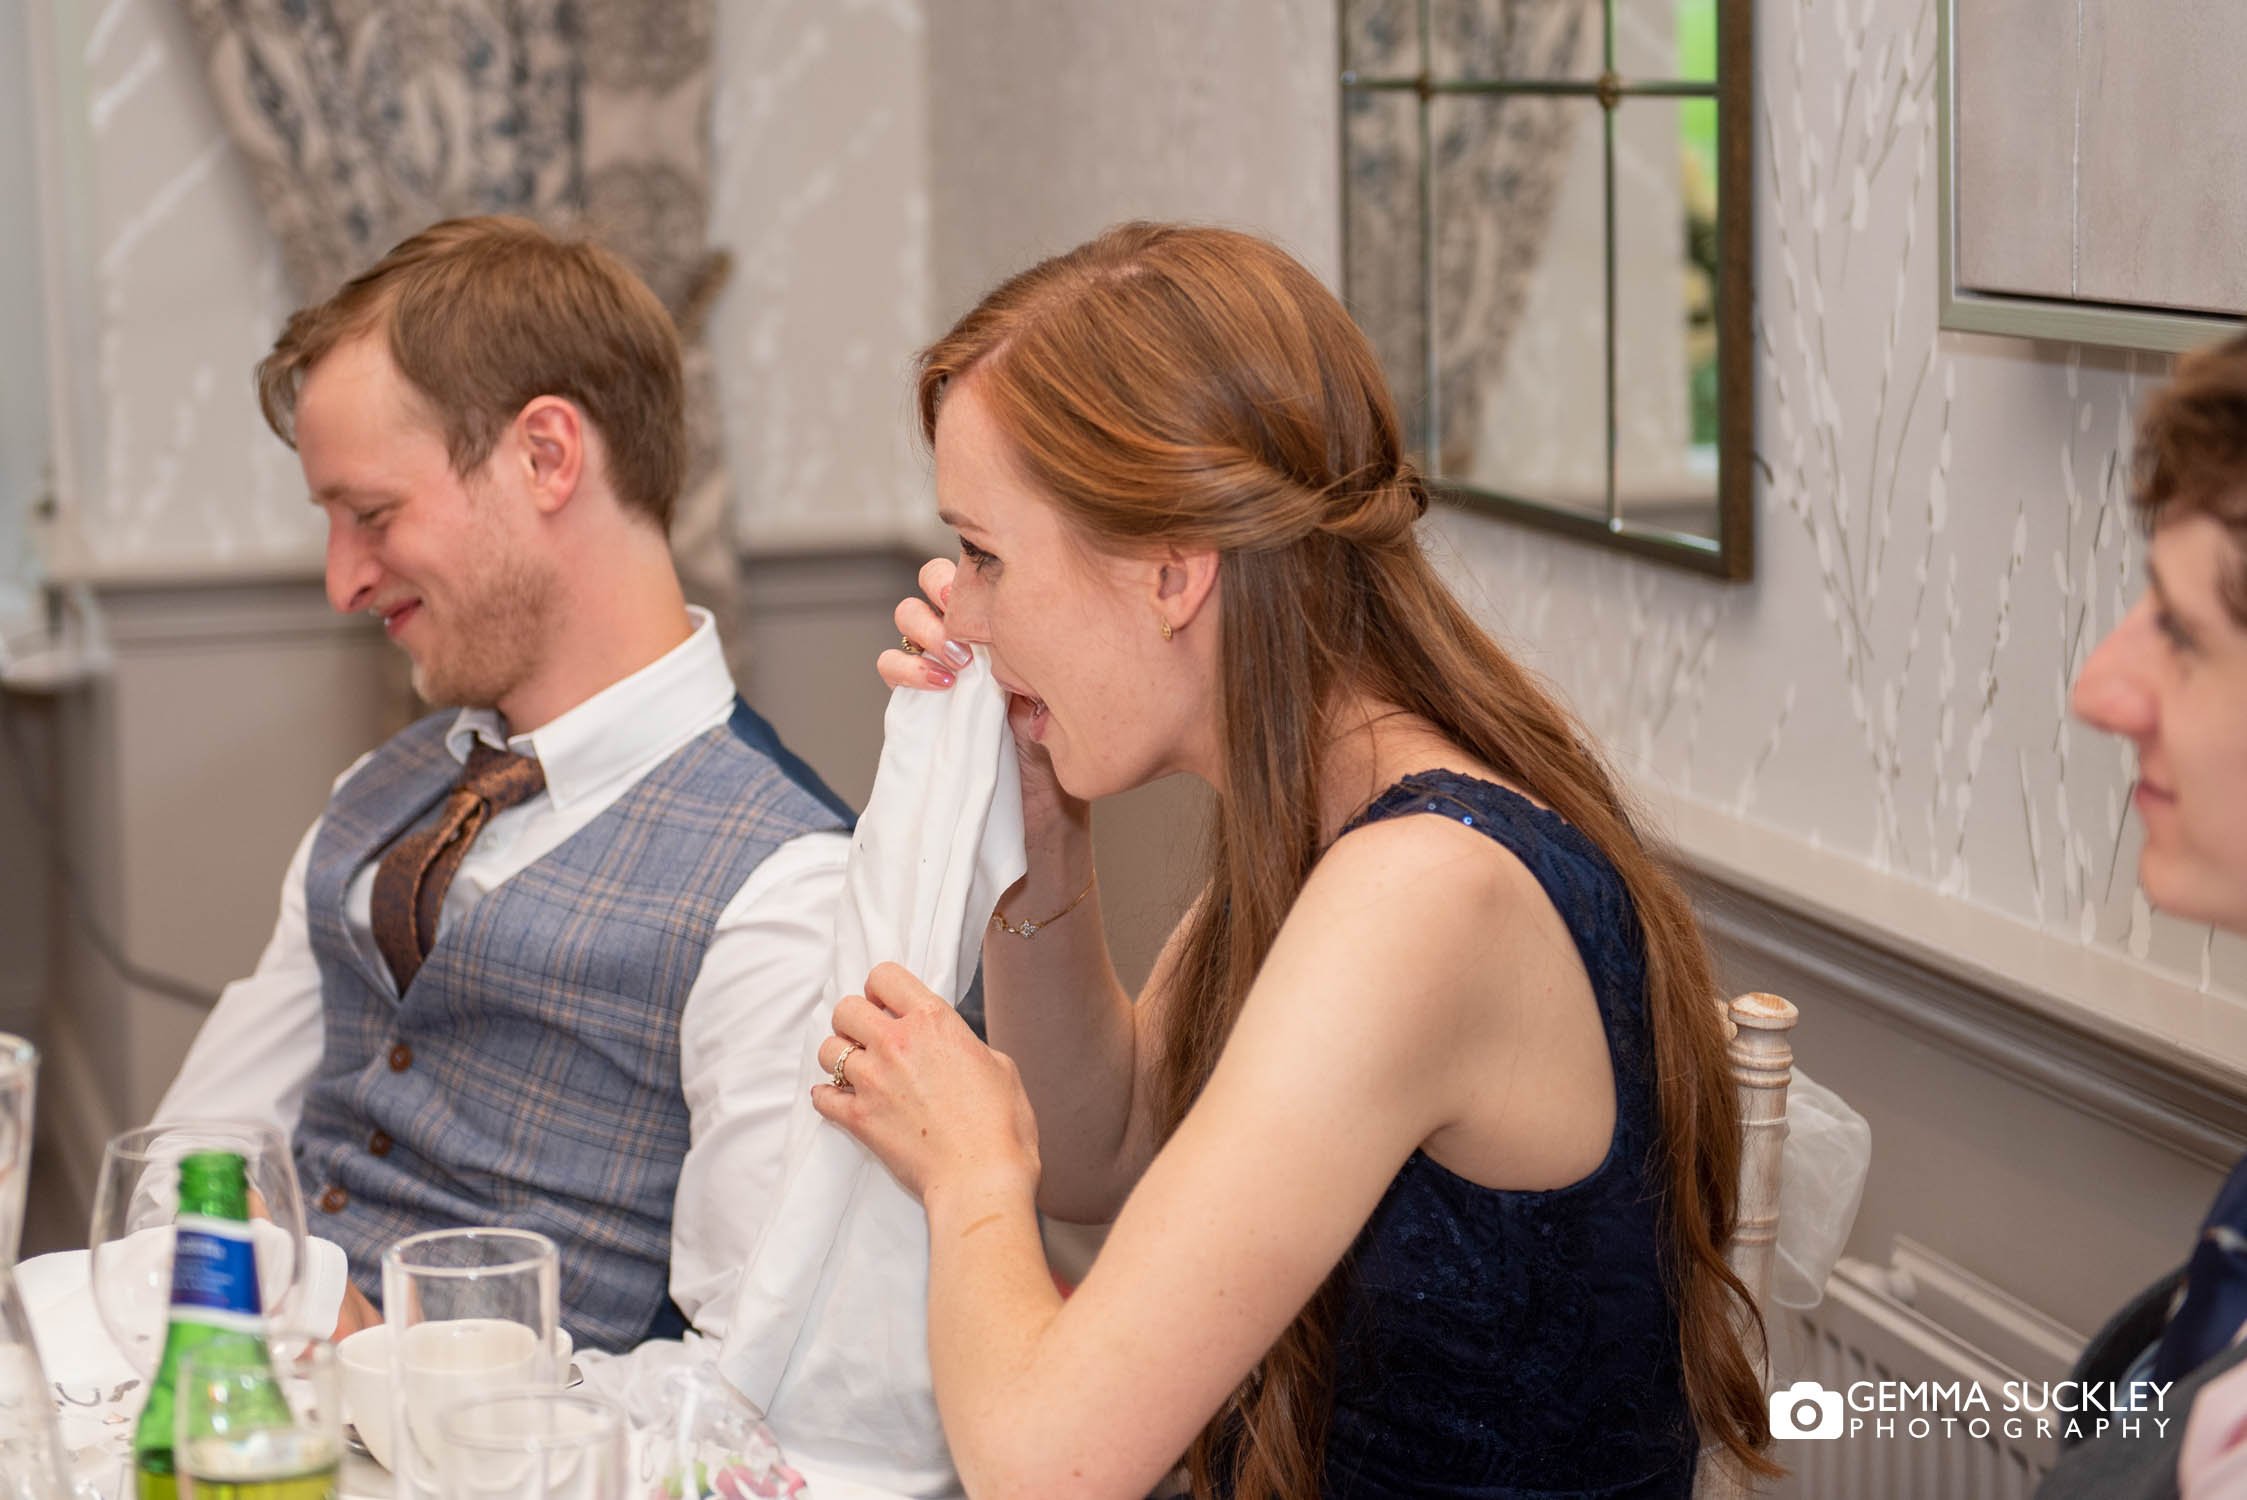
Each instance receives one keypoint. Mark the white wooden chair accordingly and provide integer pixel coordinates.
(1762, 1061)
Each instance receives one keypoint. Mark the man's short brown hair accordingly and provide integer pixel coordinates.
(483, 316)
(2191, 455)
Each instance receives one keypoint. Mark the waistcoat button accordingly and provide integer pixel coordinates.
(401, 1058)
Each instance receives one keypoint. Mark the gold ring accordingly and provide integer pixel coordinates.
(835, 1074)
(908, 645)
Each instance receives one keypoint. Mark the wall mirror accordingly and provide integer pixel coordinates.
(1546, 233)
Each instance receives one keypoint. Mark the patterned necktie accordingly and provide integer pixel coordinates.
(411, 881)
(2215, 1305)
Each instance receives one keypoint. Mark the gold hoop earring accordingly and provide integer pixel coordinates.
(1166, 630)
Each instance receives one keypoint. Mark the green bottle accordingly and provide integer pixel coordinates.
(215, 1305)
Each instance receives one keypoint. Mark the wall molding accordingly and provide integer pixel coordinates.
(2161, 1094)
(776, 553)
(195, 614)
(72, 563)
(857, 576)
(2086, 985)
(912, 529)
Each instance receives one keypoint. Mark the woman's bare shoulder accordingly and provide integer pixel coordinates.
(1426, 902)
(1442, 863)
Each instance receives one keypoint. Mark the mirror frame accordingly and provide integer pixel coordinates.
(1730, 554)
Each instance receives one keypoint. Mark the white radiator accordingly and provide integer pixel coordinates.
(1919, 1319)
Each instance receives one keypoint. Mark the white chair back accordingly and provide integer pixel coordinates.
(1762, 1060)
(1762, 1067)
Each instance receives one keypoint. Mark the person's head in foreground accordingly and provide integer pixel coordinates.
(493, 420)
(2172, 676)
(1189, 544)
(2172, 679)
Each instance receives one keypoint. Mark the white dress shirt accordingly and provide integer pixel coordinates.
(740, 1033)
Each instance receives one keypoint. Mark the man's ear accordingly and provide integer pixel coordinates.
(550, 434)
(1183, 582)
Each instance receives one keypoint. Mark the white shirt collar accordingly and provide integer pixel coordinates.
(625, 727)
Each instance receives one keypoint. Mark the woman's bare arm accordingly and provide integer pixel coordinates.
(1383, 1016)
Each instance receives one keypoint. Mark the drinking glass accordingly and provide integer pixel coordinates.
(19, 1076)
(471, 1312)
(136, 1202)
(696, 1436)
(535, 1445)
(251, 1428)
(32, 1463)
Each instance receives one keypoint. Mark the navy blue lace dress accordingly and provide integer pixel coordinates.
(1499, 1344)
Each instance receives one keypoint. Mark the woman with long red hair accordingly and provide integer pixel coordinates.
(1419, 1145)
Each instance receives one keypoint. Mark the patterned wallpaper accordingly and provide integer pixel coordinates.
(820, 190)
(1055, 118)
(187, 294)
(1942, 538)
(23, 380)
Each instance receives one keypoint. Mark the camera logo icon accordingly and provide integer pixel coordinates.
(1806, 1409)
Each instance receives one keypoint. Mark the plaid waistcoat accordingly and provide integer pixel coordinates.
(529, 1077)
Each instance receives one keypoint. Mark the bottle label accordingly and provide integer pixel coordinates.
(214, 1274)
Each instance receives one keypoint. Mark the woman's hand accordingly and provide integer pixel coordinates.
(931, 668)
(937, 1106)
(921, 621)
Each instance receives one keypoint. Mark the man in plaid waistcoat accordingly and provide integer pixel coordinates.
(546, 959)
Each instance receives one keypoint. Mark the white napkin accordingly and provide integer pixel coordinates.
(829, 1331)
(98, 1393)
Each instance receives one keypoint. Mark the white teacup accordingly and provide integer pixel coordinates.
(445, 1364)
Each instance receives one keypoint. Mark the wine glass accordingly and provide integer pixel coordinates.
(136, 1202)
